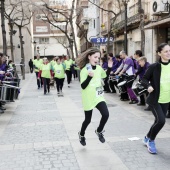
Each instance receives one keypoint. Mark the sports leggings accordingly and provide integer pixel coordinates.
(59, 83)
(159, 111)
(88, 115)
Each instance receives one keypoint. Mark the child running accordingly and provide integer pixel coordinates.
(59, 71)
(91, 76)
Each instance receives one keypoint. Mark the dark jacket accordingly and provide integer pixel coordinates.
(152, 78)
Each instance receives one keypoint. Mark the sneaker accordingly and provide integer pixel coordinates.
(68, 86)
(145, 140)
(82, 139)
(100, 135)
(58, 92)
(151, 147)
(133, 102)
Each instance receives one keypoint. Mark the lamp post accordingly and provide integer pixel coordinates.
(71, 45)
(125, 26)
(44, 50)
(86, 27)
(35, 43)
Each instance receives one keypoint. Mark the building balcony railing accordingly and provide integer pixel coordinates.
(131, 20)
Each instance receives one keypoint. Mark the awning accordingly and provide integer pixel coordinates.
(163, 23)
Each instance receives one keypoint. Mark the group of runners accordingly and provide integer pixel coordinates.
(153, 77)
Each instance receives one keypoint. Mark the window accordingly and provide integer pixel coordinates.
(40, 17)
(56, 2)
(55, 16)
(63, 27)
(43, 40)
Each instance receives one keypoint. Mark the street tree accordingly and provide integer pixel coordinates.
(66, 20)
(2, 9)
(21, 15)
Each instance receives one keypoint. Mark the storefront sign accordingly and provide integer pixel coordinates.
(101, 40)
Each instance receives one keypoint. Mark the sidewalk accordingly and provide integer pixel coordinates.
(39, 132)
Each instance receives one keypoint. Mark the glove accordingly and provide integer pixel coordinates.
(117, 77)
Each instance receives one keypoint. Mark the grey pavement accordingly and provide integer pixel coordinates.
(39, 132)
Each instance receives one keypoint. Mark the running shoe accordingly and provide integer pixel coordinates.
(151, 147)
(145, 140)
(100, 136)
(82, 139)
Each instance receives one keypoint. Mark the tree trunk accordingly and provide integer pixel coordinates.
(11, 43)
(3, 27)
(108, 43)
(142, 19)
(72, 27)
(22, 53)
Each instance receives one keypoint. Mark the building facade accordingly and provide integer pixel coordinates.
(88, 22)
(50, 41)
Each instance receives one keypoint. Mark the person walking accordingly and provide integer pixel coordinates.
(68, 62)
(59, 70)
(157, 81)
(37, 63)
(30, 63)
(91, 76)
(46, 74)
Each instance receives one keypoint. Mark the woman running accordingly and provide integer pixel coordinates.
(59, 70)
(157, 80)
(91, 76)
(68, 62)
(46, 74)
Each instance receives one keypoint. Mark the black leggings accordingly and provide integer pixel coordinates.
(59, 84)
(159, 111)
(69, 75)
(46, 82)
(88, 115)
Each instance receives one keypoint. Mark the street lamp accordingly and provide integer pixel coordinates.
(86, 27)
(34, 47)
(125, 2)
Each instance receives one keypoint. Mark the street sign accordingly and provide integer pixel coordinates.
(101, 40)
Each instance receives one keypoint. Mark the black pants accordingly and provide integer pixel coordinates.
(46, 82)
(88, 115)
(31, 69)
(69, 75)
(59, 84)
(159, 111)
(39, 81)
(75, 74)
(113, 84)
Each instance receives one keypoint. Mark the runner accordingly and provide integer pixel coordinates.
(68, 62)
(91, 76)
(59, 70)
(46, 73)
(157, 80)
(37, 63)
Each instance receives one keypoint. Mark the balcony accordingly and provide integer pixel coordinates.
(132, 21)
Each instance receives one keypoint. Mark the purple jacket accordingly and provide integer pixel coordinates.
(116, 65)
(143, 70)
(3, 67)
(128, 61)
(105, 65)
